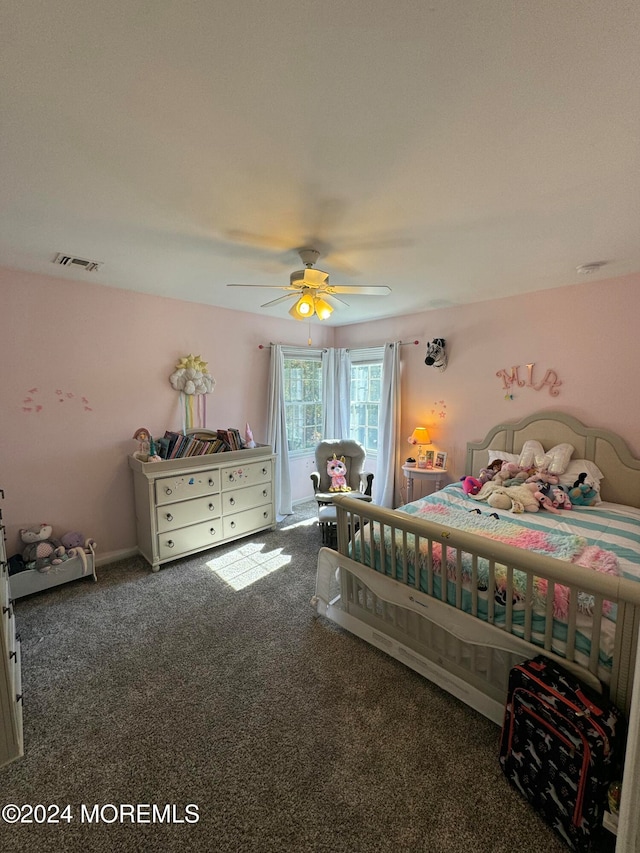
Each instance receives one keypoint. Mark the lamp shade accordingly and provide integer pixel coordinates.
(303, 308)
(323, 309)
(421, 435)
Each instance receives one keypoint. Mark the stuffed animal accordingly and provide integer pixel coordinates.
(41, 550)
(517, 499)
(72, 539)
(337, 470)
(488, 473)
(514, 498)
(560, 498)
(436, 354)
(510, 474)
(542, 474)
(582, 494)
(470, 485)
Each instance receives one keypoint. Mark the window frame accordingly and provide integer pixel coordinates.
(365, 357)
(293, 354)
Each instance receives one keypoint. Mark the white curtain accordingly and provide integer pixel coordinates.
(336, 393)
(384, 484)
(277, 433)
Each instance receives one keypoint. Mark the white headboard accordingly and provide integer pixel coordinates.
(621, 483)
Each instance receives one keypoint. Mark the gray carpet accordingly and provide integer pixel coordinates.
(196, 686)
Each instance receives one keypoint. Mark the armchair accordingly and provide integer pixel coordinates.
(354, 457)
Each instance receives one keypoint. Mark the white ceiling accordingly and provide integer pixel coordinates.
(455, 150)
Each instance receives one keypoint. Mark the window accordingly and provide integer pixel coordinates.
(303, 398)
(303, 401)
(366, 385)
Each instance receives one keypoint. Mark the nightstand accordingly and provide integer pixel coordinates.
(411, 472)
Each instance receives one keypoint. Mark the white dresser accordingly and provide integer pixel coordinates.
(10, 680)
(188, 505)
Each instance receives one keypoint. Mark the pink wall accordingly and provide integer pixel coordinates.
(68, 466)
(587, 333)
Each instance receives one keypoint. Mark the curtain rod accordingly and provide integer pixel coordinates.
(297, 346)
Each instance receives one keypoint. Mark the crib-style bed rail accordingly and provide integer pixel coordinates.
(421, 610)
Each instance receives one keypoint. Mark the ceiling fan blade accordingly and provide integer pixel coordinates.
(262, 241)
(279, 299)
(355, 290)
(272, 286)
(333, 296)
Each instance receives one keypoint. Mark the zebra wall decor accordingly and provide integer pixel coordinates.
(436, 354)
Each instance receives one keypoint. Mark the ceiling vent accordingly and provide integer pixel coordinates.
(80, 263)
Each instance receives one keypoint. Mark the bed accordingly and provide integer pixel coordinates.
(433, 586)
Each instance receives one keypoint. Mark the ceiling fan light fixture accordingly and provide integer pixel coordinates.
(323, 309)
(303, 308)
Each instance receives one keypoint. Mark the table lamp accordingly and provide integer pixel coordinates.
(420, 436)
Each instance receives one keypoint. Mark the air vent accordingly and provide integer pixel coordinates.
(80, 263)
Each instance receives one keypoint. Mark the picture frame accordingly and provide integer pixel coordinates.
(429, 456)
(440, 460)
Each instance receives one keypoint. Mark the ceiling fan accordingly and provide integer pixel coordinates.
(310, 286)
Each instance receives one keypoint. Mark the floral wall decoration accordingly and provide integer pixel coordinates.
(192, 379)
(510, 379)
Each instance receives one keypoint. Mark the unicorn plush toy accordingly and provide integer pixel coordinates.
(337, 470)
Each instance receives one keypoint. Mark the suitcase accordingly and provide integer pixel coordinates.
(561, 745)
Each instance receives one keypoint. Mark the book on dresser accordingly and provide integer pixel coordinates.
(200, 442)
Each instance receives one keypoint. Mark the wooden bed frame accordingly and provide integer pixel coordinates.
(465, 655)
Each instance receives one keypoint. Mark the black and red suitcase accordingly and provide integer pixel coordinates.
(560, 747)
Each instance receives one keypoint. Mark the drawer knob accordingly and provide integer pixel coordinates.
(265, 514)
(170, 543)
(264, 493)
(212, 531)
(211, 482)
(167, 490)
(233, 524)
(169, 517)
(211, 507)
(232, 501)
(264, 471)
(231, 478)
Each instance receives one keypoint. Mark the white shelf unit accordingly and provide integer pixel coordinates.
(188, 505)
(11, 742)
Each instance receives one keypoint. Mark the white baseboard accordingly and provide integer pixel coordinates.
(114, 556)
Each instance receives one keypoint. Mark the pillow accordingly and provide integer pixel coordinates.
(531, 452)
(560, 457)
(576, 467)
(502, 454)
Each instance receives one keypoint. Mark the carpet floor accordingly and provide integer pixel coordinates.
(207, 708)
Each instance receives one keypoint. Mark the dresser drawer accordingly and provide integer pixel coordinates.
(250, 474)
(176, 542)
(18, 698)
(240, 499)
(245, 522)
(6, 611)
(185, 486)
(172, 516)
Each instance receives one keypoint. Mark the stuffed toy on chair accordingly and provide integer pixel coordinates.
(337, 470)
